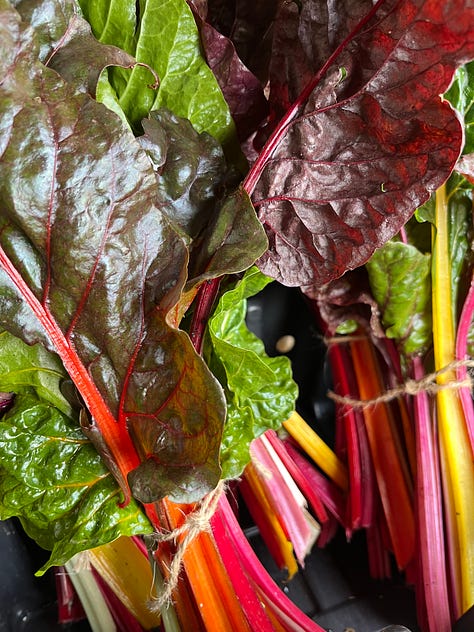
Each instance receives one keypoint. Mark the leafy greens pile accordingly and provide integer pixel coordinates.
(125, 196)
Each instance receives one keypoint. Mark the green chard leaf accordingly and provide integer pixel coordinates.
(459, 197)
(91, 267)
(461, 97)
(31, 369)
(51, 476)
(164, 37)
(400, 279)
(54, 481)
(260, 391)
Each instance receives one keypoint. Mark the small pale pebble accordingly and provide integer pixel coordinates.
(285, 344)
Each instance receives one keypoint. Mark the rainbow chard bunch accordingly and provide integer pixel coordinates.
(150, 154)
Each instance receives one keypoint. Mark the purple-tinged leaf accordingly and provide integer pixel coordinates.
(365, 143)
(6, 401)
(465, 167)
(91, 267)
(193, 181)
(349, 299)
(50, 19)
(249, 24)
(80, 58)
(241, 89)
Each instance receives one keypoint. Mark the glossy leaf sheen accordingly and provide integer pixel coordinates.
(51, 477)
(400, 278)
(193, 178)
(50, 20)
(55, 482)
(365, 143)
(30, 368)
(96, 259)
(260, 390)
(461, 96)
(164, 36)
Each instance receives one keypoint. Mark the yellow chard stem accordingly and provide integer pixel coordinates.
(455, 451)
(317, 449)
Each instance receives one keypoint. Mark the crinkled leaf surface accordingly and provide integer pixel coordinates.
(260, 390)
(91, 266)
(304, 37)
(400, 278)
(164, 36)
(191, 170)
(347, 303)
(30, 368)
(366, 141)
(55, 482)
(193, 178)
(51, 477)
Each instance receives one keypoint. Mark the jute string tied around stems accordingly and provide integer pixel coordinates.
(196, 522)
(428, 384)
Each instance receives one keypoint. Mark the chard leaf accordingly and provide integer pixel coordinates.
(90, 266)
(242, 90)
(459, 198)
(51, 477)
(249, 24)
(260, 391)
(164, 36)
(32, 369)
(461, 96)
(50, 19)
(360, 150)
(55, 482)
(400, 279)
(193, 178)
(81, 58)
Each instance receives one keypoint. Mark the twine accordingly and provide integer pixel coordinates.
(428, 384)
(195, 523)
(342, 339)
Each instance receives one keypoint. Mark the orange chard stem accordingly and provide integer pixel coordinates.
(208, 579)
(395, 496)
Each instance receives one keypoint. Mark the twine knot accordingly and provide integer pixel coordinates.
(195, 523)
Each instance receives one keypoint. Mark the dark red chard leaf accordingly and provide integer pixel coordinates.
(465, 167)
(348, 302)
(66, 42)
(91, 266)
(304, 37)
(6, 402)
(249, 24)
(366, 142)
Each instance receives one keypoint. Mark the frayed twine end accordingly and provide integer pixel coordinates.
(196, 522)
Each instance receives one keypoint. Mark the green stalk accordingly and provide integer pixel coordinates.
(454, 441)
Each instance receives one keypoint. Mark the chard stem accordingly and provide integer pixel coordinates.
(455, 450)
(462, 354)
